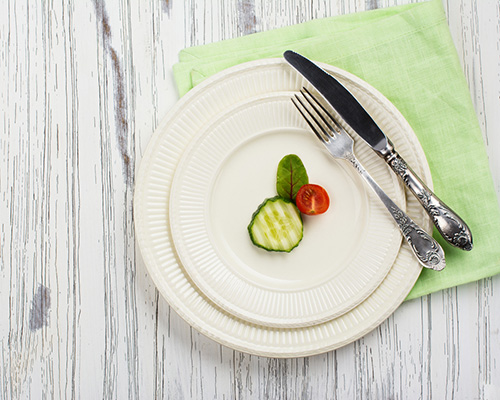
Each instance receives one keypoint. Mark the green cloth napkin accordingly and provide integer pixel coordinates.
(406, 52)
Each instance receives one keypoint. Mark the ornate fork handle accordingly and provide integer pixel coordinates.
(447, 222)
(426, 249)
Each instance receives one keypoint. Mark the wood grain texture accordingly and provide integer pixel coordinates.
(85, 83)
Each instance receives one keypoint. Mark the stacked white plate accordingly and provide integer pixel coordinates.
(213, 160)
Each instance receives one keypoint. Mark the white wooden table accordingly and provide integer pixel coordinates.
(84, 84)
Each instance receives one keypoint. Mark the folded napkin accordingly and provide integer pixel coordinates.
(406, 52)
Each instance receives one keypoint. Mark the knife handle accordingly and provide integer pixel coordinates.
(428, 252)
(447, 222)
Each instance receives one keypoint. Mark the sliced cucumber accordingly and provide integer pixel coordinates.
(276, 225)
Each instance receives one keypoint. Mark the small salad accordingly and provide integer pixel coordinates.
(277, 224)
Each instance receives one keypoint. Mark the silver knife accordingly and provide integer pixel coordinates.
(453, 229)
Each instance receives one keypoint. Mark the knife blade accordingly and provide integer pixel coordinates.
(453, 229)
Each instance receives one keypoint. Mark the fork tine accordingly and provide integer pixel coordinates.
(337, 127)
(314, 103)
(309, 117)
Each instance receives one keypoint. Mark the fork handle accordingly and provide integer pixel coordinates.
(428, 252)
(448, 223)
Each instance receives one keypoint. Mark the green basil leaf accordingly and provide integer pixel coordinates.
(291, 176)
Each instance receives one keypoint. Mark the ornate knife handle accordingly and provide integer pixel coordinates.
(447, 222)
(428, 252)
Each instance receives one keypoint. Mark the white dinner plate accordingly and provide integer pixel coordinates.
(228, 169)
(189, 116)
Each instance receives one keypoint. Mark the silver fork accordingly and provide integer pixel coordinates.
(340, 145)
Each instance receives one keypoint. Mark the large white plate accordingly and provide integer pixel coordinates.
(229, 169)
(193, 112)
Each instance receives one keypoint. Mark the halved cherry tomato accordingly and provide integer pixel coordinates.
(312, 199)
